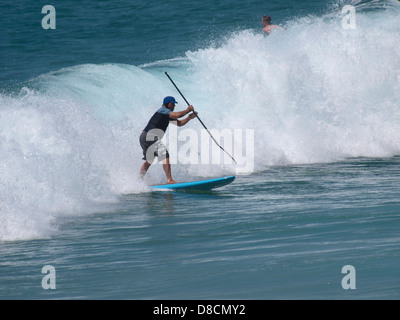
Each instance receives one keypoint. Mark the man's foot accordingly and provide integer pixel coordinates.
(171, 181)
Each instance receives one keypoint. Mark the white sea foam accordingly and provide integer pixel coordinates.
(57, 159)
(313, 92)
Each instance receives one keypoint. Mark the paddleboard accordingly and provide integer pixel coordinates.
(197, 185)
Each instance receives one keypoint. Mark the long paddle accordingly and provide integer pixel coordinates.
(199, 118)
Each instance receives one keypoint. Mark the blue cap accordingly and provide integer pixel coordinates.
(169, 99)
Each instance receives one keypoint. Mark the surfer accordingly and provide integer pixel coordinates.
(266, 22)
(154, 131)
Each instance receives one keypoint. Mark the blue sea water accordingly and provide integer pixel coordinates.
(316, 109)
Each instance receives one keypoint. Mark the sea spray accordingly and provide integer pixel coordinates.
(57, 159)
(313, 92)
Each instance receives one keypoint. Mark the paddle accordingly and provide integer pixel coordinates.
(199, 118)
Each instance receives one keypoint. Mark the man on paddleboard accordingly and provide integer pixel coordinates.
(150, 139)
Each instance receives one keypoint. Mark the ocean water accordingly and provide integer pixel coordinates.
(311, 113)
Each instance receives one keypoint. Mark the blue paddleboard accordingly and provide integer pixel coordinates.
(197, 185)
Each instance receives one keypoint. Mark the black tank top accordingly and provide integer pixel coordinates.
(159, 120)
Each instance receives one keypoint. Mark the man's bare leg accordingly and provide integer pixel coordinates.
(144, 168)
(167, 169)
